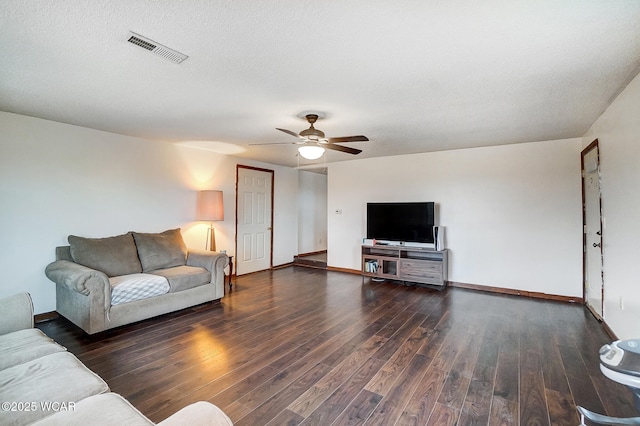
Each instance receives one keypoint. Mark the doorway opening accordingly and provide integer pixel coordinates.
(592, 225)
(312, 218)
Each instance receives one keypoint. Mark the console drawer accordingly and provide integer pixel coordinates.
(420, 267)
(425, 278)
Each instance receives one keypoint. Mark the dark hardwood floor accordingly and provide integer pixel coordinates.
(307, 346)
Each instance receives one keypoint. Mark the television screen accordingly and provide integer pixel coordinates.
(401, 222)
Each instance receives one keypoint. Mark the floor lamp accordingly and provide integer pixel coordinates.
(210, 208)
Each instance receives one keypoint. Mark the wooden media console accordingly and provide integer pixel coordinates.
(418, 265)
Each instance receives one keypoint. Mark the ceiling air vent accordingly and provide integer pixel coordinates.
(156, 48)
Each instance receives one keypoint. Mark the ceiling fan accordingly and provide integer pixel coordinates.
(313, 141)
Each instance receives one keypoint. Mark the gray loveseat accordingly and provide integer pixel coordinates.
(102, 283)
(42, 383)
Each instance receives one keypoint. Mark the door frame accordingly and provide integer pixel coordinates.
(241, 166)
(591, 146)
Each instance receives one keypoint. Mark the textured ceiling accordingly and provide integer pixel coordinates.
(413, 76)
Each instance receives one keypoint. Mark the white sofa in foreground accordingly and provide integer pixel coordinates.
(42, 383)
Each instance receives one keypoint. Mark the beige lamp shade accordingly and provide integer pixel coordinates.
(210, 206)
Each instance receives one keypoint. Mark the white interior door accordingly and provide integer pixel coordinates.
(254, 219)
(593, 279)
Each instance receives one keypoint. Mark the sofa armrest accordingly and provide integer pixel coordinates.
(74, 276)
(212, 261)
(16, 312)
(200, 413)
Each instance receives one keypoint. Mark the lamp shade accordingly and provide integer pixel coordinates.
(210, 206)
(311, 152)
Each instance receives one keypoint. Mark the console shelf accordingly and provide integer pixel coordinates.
(412, 264)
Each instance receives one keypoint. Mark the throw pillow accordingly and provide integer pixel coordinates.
(159, 251)
(112, 255)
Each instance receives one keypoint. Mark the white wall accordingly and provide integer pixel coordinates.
(618, 134)
(312, 212)
(57, 179)
(511, 213)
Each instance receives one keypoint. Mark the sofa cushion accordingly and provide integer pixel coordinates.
(56, 378)
(199, 413)
(16, 312)
(112, 255)
(106, 409)
(184, 277)
(163, 250)
(128, 288)
(25, 345)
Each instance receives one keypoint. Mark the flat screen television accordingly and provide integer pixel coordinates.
(410, 222)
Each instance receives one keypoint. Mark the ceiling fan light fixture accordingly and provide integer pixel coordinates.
(312, 133)
(311, 152)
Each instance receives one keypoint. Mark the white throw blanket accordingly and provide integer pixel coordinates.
(128, 288)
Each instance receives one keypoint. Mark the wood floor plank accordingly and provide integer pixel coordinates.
(582, 387)
(372, 324)
(555, 376)
(504, 412)
(313, 347)
(617, 398)
(454, 390)
(236, 382)
(561, 409)
(393, 404)
(273, 406)
(476, 408)
(507, 372)
(236, 410)
(488, 352)
(339, 400)
(436, 315)
(259, 378)
(213, 377)
(317, 349)
(382, 382)
(449, 350)
(533, 406)
(286, 418)
(360, 409)
(423, 400)
(317, 394)
(466, 359)
(443, 416)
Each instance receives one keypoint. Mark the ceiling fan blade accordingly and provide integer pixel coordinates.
(341, 148)
(289, 132)
(358, 138)
(276, 143)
